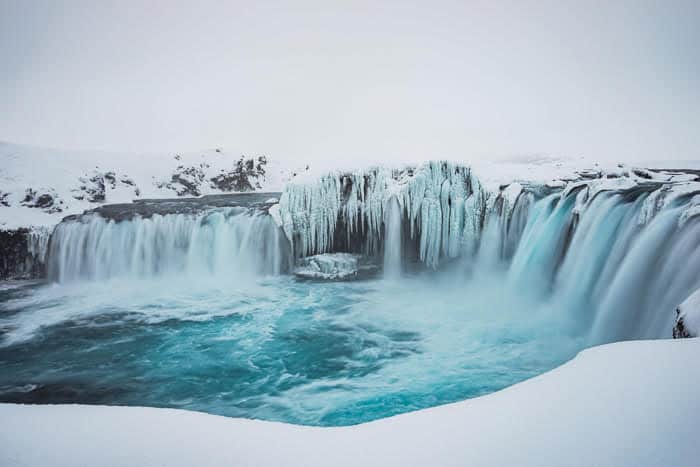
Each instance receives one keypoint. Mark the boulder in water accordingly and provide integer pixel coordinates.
(688, 317)
(334, 266)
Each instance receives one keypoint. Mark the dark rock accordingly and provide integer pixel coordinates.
(246, 175)
(679, 329)
(127, 181)
(146, 208)
(643, 174)
(111, 178)
(44, 201)
(186, 181)
(16, 258)
(47, 201)
(94, 187)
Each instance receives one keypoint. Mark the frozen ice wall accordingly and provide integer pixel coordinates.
(442, 204)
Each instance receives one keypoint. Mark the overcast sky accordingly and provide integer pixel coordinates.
(357, 80)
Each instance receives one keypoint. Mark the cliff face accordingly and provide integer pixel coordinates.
(22, 253)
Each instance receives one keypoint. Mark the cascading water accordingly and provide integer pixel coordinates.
(491, 286)
(605, 251)
(233, 242)
(392, 240)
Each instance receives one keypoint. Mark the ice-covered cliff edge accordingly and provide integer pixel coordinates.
(445, 209)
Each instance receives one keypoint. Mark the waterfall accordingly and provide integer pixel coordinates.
(231, 242)
(616, 255)
(616, 269)
(392, 240)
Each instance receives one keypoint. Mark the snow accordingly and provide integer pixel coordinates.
(63, 173)
(689, 312)
(625, 404)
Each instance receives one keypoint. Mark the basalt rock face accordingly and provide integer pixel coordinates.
(22, 254)
(146, 208)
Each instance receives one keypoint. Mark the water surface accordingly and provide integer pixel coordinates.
(275, 348)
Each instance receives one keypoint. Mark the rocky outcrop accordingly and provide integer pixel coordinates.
(146, 208)
(688, 317)
(46, 200)
(186, 181)
(247, 174)
(23, 253)
(93, 188)
(334, 266)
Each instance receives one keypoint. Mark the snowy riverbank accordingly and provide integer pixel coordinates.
(625, 404)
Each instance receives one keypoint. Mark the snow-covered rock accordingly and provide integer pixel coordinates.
(39, 186)
(688, 317)
(333, 266)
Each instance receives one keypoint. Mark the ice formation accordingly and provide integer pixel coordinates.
(443, 203)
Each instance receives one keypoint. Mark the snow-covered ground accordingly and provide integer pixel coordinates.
(71, 178)
(625, 404)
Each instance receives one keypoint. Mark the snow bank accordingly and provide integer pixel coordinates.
(625, 404)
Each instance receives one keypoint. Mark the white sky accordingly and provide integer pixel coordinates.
(378, 81)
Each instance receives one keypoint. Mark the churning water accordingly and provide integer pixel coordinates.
(276, 349)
